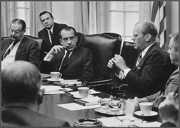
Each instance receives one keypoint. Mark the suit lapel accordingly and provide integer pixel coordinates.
(55, 32)
(138, 67)
(72, 57)
(5, 46)
(21, 46)
(47, 38)
(148, 51)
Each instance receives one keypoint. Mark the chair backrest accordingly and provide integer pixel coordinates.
(39, 40)
(103, 48)
(79, 35)
(129, 53)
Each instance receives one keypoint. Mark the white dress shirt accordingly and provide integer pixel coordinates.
(50, 34)
(10, 57)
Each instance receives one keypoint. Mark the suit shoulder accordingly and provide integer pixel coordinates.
(42, 30)
(60, 25)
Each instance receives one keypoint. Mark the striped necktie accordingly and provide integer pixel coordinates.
(64, 60)
(139, 59)
(51, 36)
(9, 49)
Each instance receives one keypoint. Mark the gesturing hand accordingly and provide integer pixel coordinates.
(119, 62)
(56, 49)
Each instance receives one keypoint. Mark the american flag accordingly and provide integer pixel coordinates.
(159, 18)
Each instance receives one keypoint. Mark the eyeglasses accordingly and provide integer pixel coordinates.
(69, 38)
(129, 122)
(15, 31)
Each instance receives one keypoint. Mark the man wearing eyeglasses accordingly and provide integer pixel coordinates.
(50, 33)
(19, 47)
(72, 61)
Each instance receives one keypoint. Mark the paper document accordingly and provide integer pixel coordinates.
(88, 101)
(75, 106)
(50, 89)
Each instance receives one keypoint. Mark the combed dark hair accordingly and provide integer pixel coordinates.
(20, 21)
(67, 28)
(21, 87)
(44, 12)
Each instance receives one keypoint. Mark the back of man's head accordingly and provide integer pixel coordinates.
(20, 83)
(175, 38)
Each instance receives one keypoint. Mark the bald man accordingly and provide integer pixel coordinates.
(21, 97)
(19, 47)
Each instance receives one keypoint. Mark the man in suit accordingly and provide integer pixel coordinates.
(153, 65)
(72, 61)
(19, 47)
(21, 97)
(50, 33)
(173, 81)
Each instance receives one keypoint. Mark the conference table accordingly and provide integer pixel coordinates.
(61, 106)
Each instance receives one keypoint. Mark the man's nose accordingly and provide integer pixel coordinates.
(69, 41)
(133, 39)
(13, 33)
(46, 21)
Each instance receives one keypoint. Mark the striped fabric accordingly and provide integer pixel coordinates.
(159, 18)
(9, 49)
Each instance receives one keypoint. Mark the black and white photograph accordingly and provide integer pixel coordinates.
(90, 63)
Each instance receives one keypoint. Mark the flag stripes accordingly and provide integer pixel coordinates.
(159, 18)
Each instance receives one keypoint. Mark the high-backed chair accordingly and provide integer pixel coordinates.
(79, 35)
(103, 48)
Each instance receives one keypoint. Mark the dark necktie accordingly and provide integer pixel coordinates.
(9, 49)
(66, 58)
(51, 35)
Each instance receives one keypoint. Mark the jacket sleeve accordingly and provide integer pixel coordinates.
(34, 53)
(154, 69)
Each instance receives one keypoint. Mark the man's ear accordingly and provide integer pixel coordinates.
(40, 96)
(148, 37)
(60, 40)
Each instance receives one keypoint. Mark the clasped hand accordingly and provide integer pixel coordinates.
(118, 61)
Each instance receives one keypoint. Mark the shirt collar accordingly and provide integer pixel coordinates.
(145, 50)
(51, 29)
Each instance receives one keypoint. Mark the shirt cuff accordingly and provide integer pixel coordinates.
(48, 57)
(120, 74)
(126, 71)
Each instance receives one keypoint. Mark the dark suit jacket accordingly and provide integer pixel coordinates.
(78, 66)
(46, 46)
(17, 116)
(150, 75)
(28, 50)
